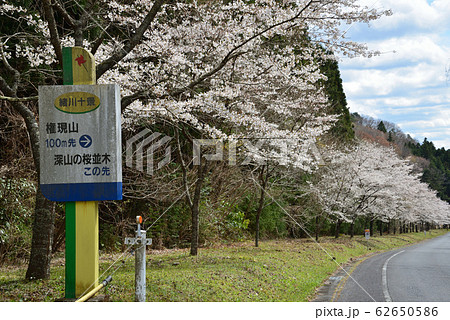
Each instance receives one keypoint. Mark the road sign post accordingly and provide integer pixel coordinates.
(140, 242)
(367, 234)
(80, 159)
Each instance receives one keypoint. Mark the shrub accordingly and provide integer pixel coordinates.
(16, 206)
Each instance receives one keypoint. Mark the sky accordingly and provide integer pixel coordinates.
(409, 83)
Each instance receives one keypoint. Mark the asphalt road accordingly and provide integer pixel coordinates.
(416, 273)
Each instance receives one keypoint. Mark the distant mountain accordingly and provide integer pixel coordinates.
(384, 132)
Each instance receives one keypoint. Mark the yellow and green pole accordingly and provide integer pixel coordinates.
(81, 216)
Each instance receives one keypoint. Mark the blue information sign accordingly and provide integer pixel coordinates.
(80, 146)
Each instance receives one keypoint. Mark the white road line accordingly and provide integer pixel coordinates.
(387, 296)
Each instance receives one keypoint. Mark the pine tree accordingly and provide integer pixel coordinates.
(391, 136)
(343, 128)
(381, 127)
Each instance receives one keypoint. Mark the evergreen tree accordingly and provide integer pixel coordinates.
(391, 136)
(381, 127)
(333, 86)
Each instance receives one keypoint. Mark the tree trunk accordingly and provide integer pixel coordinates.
(389, 227)
(42, 240)
(317, 228)
(338, 228)
(381, 228)
(352, 229)
(263, 181)
(195, 207)
(258, 215)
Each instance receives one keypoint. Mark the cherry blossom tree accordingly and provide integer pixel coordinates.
(229, 70)
(369, 180)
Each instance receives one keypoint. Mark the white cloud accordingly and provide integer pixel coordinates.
(408, 87)
(412, 15)
(399, 51)
(366, 108)
(382, 82)
(439, 120)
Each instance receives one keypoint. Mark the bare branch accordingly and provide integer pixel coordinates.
(32, 129)
(97, 43)
(57, 6)
(183, 168)
(127, 100)
(133, 42)
(16, 74)
(54, 36)
(13, 99)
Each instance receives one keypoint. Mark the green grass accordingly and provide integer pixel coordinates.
(285, 270)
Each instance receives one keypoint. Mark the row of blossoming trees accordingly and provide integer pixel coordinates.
(372, 182)
(236, 71)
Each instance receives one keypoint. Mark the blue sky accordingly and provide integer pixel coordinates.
(408, 83)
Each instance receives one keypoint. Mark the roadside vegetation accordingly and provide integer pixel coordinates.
(278, 270)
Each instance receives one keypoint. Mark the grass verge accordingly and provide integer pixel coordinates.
(285, 270)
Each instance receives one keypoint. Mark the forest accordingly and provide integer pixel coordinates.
(437, 174)
(257, 80)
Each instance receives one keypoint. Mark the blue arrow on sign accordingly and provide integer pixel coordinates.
(85, 141)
